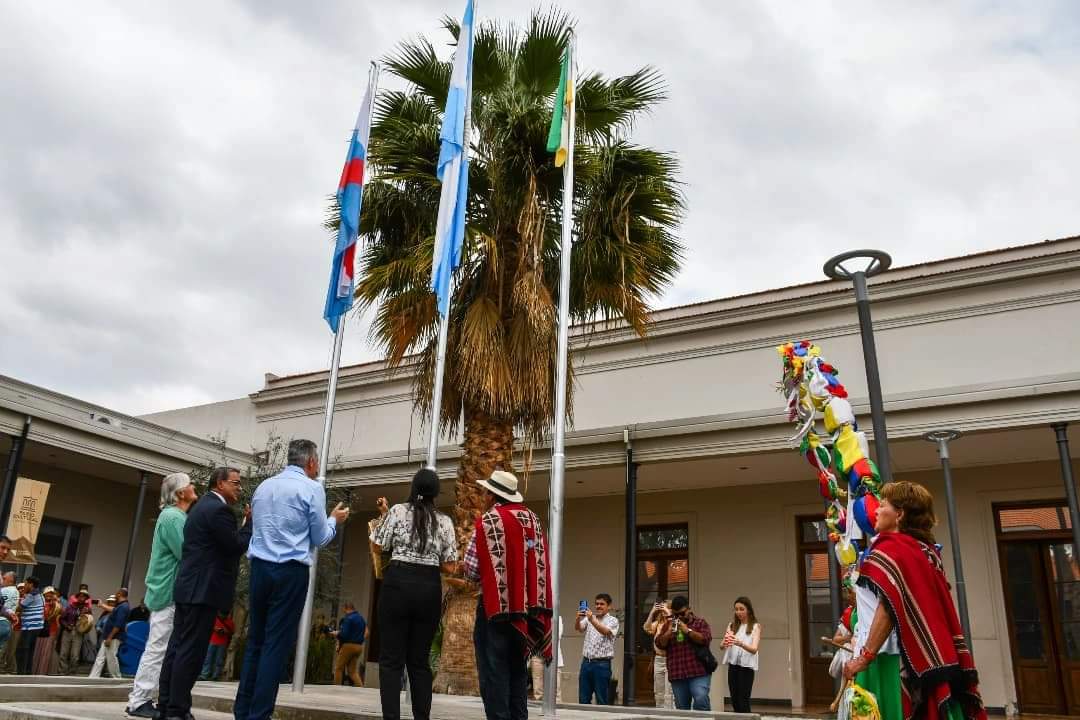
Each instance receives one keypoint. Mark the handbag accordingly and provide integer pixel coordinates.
(705, 656)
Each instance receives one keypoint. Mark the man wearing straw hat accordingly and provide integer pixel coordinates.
(507, 557)
(177, 497)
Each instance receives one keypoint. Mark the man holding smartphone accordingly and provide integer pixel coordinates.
(600, 628)
(659, 621)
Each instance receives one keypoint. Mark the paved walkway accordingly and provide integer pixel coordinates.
(58, 698)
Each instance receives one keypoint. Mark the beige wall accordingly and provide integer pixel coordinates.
(743, 543)
(106, 509)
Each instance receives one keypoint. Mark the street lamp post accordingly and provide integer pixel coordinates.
(858, 266)
(942, 438)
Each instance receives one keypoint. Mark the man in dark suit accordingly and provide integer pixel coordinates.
(205, 585)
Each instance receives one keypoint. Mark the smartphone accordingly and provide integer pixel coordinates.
(583, 606)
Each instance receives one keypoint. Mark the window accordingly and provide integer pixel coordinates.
(56, 550)
(1048, 517)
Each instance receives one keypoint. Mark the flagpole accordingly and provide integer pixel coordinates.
(558, 453)
(303, 635)
(437, 390)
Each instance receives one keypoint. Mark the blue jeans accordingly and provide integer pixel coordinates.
(215, 660)
(274, 604)
(692, 689)
(595, 678)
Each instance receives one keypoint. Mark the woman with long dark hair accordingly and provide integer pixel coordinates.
(740, 645)
(420, 541)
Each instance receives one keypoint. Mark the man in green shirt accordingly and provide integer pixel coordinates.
(177, 496)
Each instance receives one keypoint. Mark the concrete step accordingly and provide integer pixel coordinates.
(48, 689)
(78, 711)
(60, 680)
(327, 702)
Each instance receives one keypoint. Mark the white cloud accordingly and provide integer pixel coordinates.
(164, 168)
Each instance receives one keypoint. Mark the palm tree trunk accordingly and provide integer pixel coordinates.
(488, 446)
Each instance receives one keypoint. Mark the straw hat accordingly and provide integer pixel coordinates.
(503, 484)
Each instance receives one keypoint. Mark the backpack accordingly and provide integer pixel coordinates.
(705, 656)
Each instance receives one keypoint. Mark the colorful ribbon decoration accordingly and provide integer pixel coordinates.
(848, 480)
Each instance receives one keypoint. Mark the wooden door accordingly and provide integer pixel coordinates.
(1031, 628)
(1064, 591)
(663, 571)
(815, 608)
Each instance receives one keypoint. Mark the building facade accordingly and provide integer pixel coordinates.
(104, 472)
(984, 344)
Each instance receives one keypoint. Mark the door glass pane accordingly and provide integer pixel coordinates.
(819, 619)
(678, 578)
(1034, 519)
(73, 542)
(1024, 599)
(45, 572)
(1066, 581)
(65, 578)
(50, 539)
(648, 579)
(664, 538)
(814, 531)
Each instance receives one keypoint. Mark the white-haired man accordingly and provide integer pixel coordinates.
(177, 497)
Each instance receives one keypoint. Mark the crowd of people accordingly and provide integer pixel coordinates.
(914, 662)
(45, 631)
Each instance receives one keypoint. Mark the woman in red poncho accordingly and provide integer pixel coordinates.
(903, 568)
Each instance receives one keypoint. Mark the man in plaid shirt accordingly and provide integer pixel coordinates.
(690, 682)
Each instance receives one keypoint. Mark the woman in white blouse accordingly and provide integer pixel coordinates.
(741, 654)
(421, 542)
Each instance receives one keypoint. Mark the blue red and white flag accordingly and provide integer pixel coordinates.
(339, 295)
(453, 167)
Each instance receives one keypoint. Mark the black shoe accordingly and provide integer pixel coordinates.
(146, 710)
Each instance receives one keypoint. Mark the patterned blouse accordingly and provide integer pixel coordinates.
(394, 535)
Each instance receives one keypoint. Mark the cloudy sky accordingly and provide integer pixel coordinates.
(164, 166)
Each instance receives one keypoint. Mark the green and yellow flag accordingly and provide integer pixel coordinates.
(559, 134)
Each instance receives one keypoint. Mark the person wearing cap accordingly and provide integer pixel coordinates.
(420, 541)
(288, 512)
(507, 558)
(177, 497)
(71, 632)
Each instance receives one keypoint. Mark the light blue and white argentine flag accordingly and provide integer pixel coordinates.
(453, 168)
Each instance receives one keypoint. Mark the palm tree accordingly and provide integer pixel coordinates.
(501, 350)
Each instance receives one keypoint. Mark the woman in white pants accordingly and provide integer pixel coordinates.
(177, 497)
(658, 620)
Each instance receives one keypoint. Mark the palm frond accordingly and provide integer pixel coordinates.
(417, 63)
(628, 204)
(608, 108)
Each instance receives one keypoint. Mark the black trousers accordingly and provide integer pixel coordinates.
(24, 651)
(501, 668)
(740, 684)
(410, 605)
(192, 627)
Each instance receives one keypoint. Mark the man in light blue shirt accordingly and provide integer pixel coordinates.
(288, 515)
